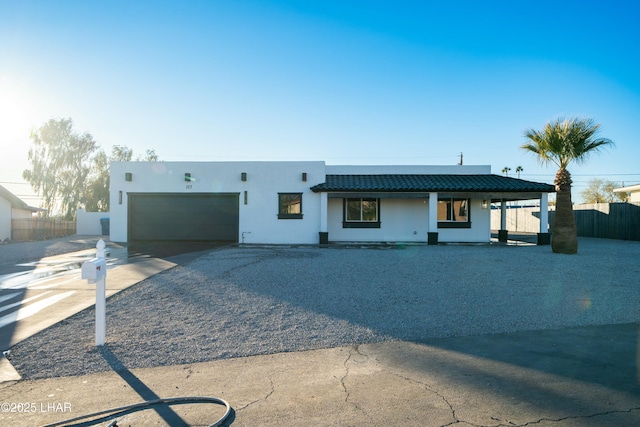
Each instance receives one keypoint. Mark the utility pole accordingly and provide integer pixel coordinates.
(460, 159)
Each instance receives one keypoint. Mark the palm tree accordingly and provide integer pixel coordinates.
(560, 142)
(505, 170)
(518, 170)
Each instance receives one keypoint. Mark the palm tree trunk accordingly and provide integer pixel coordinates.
(564, 239)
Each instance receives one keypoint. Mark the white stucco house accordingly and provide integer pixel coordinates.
(309, 202)
(11, 207)
(633, 190)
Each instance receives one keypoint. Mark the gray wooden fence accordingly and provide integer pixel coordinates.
(605, 220)
(608, 220)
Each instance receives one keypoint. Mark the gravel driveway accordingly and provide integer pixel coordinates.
(240, 301)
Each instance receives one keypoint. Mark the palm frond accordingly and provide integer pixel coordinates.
(565, 140)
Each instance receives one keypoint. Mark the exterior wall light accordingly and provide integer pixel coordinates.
(128, 176)
(243, 176)
(485, 204)
(304, 176)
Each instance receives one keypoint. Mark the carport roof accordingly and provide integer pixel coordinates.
(429, 183)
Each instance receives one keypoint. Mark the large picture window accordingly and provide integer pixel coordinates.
(361, 212)
(289, 205)
(453, 213)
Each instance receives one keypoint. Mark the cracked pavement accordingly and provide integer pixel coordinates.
(562, 377)
(449, 382)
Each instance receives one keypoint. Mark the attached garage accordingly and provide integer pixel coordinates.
(183, 217)
(310, 202)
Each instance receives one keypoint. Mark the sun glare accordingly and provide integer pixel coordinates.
(13, 117)
(14, 126)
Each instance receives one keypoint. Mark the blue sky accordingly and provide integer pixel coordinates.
(348, 82)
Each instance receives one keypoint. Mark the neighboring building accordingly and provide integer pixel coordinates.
(11, 207)
(633, 190)
(309, 202)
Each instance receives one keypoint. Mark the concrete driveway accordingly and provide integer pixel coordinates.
(562, 376)
(46, 291)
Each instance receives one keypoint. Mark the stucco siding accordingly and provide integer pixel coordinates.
(401, 220)
(480, 231)
(258, 209)
(403, 212)
(406, 220)
(88, 223)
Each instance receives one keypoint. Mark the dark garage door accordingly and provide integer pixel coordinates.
(183, 217)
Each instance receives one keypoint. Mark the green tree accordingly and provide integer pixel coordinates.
(60, 165)
(149, 156)
(70, 171)
(120, 153)
(505, 170)
(601, 191)
(97, 194)
(562, 141)
(96, 197)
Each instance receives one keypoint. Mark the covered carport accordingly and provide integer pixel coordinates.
(481, 189)
(503, 199)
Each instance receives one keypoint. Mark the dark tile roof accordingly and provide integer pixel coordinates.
(430, 183)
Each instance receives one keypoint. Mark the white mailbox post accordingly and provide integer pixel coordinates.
(95, 272)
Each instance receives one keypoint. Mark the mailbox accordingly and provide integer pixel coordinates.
(94, 269)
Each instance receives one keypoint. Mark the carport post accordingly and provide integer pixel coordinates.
(432, 229)
(503, 234)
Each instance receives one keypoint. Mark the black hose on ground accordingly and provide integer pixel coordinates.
(144, 405)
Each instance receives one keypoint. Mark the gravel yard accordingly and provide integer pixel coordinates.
(240, 301)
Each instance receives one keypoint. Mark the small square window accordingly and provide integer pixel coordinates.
(289, 205)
